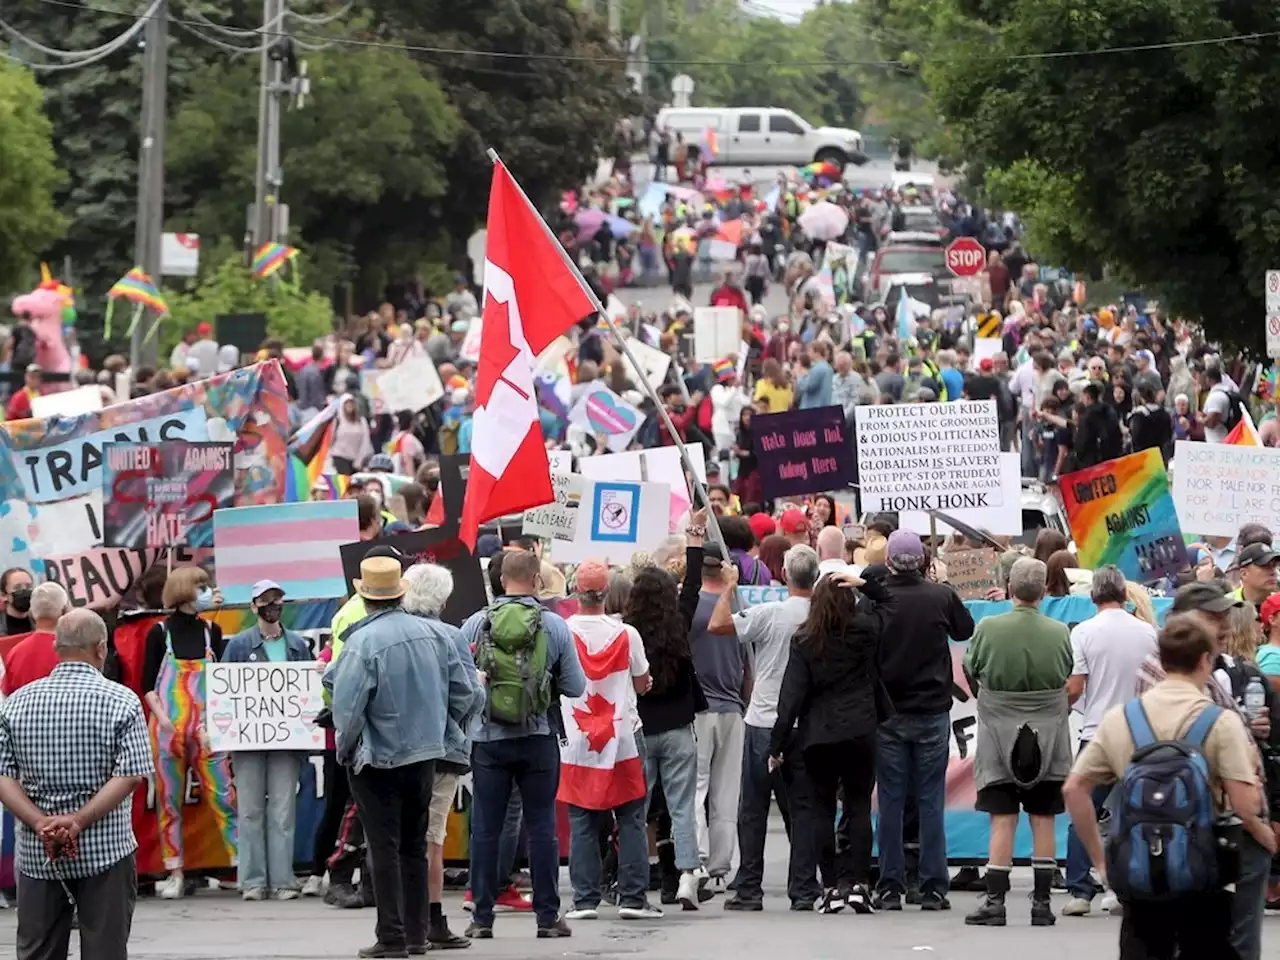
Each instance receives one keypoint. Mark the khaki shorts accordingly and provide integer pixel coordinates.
(443, 790)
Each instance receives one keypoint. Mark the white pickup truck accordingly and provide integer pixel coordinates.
(762, 136)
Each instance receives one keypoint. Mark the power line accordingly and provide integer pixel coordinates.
(238, 32)
(753, 64)
(318, 20)
(234, 48)
(81, 57)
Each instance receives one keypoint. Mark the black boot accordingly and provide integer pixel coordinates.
(991, 913)
(1041, 908)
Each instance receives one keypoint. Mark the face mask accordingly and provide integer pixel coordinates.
(270, 612)
(20, 599)
(204, 599)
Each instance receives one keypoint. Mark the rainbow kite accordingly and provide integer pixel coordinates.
(135, 286)
(270, 258)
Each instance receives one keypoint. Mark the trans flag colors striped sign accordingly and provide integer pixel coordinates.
(294, 544)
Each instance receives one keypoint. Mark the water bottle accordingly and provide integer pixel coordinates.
(1255, 698)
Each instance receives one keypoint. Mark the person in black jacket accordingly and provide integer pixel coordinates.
(830, 706)
(1098, 437)
(1150, 424)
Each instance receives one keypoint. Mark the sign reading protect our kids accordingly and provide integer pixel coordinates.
(1122, 513)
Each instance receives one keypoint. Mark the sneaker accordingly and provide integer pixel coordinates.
(512, 900)
(934, 901)
(343, 896)
(667, 898)
(832, 901)
(477, 932)
(890, 900)
(1077, 907)
(253, 894)
(380, 950)
(313, 887)
(171, 887)
(646, 911)
(467, 904)
(742, 904)
(687, 892)
(1111, 904)
(555, 931)
(522, 881)
(859, 900)
(286, 893)
(583, 913)
(914, 898)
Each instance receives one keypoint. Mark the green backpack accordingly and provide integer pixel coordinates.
(512, 651)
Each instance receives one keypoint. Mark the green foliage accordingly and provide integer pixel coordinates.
(296, 317)
(28, 176)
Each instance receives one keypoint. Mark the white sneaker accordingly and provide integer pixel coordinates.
(646, 912)
(687, 892)
(313, 887)
(1077, 907)
(171, 887)
(1111, 904)
(286, 893)
(583, 913)
(253, 894)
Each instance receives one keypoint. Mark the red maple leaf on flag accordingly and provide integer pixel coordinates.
(597, 722)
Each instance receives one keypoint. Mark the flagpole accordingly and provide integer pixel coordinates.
(700, 491)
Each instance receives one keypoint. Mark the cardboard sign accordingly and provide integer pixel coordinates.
(68, 403)
(717, 331)
(601, 412)
(558, 520)
(164, 494)
(1122, 512)
(929, 456)
(295, 544)
(972, 572)
(263, 706)
(413, 384)
(1218, 487)
(440, 546)
(802, 451)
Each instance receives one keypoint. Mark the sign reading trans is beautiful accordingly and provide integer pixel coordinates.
(929, 456)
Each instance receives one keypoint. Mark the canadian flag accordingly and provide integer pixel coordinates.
(532, 294)
(600, 764)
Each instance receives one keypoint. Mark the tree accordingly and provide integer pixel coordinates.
(29, 222)
(1158, 161)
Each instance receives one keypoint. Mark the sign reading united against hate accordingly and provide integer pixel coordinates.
(263, 706)
(801, 451)
(1218, 487)
(1122, 513)
(164, 494)
(928, 456)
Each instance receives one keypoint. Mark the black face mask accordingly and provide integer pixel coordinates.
(270, 612)
(20, 599)
(433, 484)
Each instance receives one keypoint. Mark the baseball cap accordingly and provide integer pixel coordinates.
(1270, 607)
(904, 550)
(1205, 596)
(382, 461)
(592, 576)
(34, 368)
(264, 586)
(712, 554)
(1257, 555)
(986, 365)
(386, 550)
(761, 525)
(793, 521)
(203, 329)
(1146, 355)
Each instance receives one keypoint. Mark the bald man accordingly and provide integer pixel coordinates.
(831, 552)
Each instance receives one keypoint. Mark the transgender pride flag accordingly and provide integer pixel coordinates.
(295, 544)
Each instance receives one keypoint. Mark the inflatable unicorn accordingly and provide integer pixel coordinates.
(48, 306)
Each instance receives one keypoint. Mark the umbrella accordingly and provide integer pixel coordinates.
(824, 221)
(715, 185)
(589, 221)
(822, 168)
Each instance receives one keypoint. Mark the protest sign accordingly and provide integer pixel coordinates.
(1122, 512)
(654, 363)
(560, 461)
(295, 544)
(660, 465)
(1005, 520)
(440, 546)
(601, 412)
(68, 403)
(371, 387)
(558, 520)
(802, 451)
(717, 331)
(617, 519)
(164, 494)
(972, 573)
(928, 456)
(263, 706)
(1218, 487)
(413, 384)
(754, 596)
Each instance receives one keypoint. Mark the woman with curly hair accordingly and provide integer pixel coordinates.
(662, 618)
(828, 710)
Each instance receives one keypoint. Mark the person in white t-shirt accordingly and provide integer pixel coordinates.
(1217, 405)
(831, 553)
(1108, 649)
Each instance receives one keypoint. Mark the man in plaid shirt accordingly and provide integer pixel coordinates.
(73, 748)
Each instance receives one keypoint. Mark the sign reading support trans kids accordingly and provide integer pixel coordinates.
(928, 456)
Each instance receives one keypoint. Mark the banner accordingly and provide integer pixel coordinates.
(164, 494)
(440, 546)
(52, 469)
(802, 451)
(1121, 512)
(263, 706)
(928, 456)
(1219, 487)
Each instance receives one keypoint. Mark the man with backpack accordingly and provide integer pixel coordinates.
(526, 660)
(1184, 763)
(1221, 407)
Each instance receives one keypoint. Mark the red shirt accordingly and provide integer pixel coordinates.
(19, 405)
(31, 660)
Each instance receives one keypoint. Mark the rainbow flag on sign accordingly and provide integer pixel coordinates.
(270, 258)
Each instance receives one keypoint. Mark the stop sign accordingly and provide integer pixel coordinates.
(965, 257)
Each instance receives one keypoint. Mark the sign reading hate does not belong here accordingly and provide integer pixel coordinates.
(801, 451)
(929, 456)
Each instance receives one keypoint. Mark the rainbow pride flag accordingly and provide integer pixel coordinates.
(312, 442)
(1122, 513)
(136, 286)
(297, 487)
(270, 258)
(1244, 433)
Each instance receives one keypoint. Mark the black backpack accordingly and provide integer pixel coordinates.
(1233, 415)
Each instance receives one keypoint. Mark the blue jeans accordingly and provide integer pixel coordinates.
(533, 765)
(1080, 882)
(911, 760)
(672, 758)
(588, 826)
(267, 795)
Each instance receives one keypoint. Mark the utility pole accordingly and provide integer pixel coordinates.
(265, 223)
(150, 217)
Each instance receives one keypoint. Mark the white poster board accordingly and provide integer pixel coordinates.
(1272, 283)
(1004, 520)
(922, 456)
(559, 519)
(560, 461)
(717, 331)
(263, 706)
(660, 465)
(653, 362)
(601, 412)
(1218, 487)
(68, 403)
(412, 385)
(617, 518)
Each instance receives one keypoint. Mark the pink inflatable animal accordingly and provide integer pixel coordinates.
(45, 306)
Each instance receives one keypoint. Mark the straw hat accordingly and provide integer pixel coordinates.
(554, 584)
(875, 551)
(380, 579)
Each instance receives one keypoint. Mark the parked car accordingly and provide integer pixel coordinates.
(755, 136)
(921, 268)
